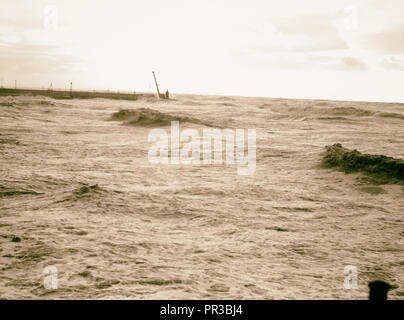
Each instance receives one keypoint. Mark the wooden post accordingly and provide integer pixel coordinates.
(71, 89)
(157, 86)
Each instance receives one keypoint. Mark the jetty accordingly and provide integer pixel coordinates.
(73, 94)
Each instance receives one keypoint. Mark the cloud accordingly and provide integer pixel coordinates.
(28, 58)
(313, 25)
(290, 63)
(321, 62)
(390, 41)
(307, 41)
(315, 61)
(392, 63)
(313, 32)
(26, 49)
(351, 64)
(20, 25)
(322, 45)
(305, 46)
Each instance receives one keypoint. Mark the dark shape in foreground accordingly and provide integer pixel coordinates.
(16, 239)
(378, 290)
(86, 189)
(386, 169)
(9, 192)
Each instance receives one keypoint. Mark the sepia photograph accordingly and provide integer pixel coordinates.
(185, 150)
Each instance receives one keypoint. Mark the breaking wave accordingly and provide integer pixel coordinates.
(9, 192)
(348, 111)
(151, 118)
(386, 169)
(86, 190)
(6, 104)
(320, 111)
(391, 115)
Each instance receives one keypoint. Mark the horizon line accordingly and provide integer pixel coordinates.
(125, 91)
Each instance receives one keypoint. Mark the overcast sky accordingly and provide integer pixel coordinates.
(326, 49)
